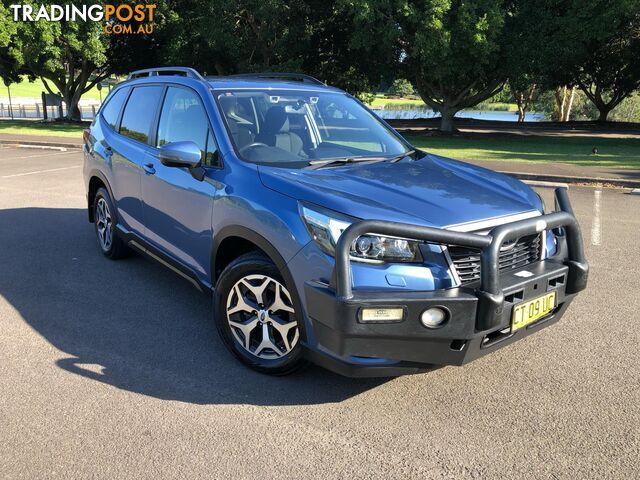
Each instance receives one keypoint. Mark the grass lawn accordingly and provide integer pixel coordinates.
(32, 127)
(380, 101)
(612, 152)
(34, 90)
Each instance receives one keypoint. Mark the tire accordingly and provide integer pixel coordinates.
(266, 340)
(105, 221)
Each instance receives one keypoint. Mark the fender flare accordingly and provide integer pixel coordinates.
(274, 255)
(253, 237)
(98, 174)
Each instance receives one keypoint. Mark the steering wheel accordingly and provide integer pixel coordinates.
(252, 145)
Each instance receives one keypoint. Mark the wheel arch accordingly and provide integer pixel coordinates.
(97, 180)
(233, 241)
(229, 236)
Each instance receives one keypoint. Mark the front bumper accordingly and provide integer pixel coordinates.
(479, 320)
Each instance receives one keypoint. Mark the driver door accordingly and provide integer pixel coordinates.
(177, 206)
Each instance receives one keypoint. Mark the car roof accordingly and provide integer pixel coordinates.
(248, 83)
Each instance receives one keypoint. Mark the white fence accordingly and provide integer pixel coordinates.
(35, 111)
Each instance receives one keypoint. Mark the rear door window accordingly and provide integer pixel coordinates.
(111, 110)
(140, 112)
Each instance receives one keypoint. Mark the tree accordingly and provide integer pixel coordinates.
(239, 36)
(9, 69)
(586, 44)
(524, 91)
(401, 87)
(455, 52)
(451, 50)
(609, 71)
(68, 56)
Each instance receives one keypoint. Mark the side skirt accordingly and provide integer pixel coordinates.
(140, 245)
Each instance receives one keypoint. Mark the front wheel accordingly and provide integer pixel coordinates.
(255, 316)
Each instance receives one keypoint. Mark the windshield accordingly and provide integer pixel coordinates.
(293, 128)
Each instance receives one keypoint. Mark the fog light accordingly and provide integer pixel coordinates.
(382, 314)
(433, 317)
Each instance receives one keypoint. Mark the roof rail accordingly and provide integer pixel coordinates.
(297, 77)
(155, 72)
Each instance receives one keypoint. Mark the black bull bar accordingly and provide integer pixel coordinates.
(490, 295)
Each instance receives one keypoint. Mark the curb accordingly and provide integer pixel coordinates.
(19, 143)
(617, 182)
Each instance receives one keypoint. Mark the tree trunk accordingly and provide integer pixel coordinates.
(604, 113)
(567, 109)
(446, 120)
(564, 101)
(559, 94)
(521, 106)
(73, 111)
(449, 101)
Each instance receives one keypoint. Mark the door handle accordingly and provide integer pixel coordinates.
(108, 151)
(149, 168)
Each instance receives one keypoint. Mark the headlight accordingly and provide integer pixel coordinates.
(325, 227)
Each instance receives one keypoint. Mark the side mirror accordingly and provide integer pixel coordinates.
(180, 154)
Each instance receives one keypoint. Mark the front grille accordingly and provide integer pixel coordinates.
(466, 261)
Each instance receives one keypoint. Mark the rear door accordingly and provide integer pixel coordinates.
(177, 206)
(128, 150)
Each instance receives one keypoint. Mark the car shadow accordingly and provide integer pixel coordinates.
(132, 323)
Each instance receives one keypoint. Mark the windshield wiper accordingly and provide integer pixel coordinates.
(315, 164)
(397, 158)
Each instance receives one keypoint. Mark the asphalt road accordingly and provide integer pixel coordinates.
(113, 369)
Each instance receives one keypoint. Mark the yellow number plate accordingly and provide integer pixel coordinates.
(530, 311)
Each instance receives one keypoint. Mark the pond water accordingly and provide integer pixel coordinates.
(478, 114)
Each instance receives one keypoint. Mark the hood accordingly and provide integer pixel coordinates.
(432, 191)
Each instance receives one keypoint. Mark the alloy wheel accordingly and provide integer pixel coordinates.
(262, 318)
(104, 224)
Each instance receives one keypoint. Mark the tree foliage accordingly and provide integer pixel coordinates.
(401, 87)
(9, 69)
(453, 51)
(456, 53)
(590, 44)
(239, 36)
(70, 57)
(609, 68)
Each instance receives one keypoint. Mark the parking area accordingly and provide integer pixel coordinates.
(114, 369)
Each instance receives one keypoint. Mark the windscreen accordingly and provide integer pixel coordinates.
(291, 128)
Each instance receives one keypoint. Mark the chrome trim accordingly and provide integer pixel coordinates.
(452, 268)
(487, 224)
(483, 227)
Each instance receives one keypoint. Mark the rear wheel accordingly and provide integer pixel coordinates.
(256, 317)
(105, 221)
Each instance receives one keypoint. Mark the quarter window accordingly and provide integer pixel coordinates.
(211, 158)
(139, 113)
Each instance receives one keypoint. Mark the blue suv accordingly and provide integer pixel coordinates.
(321, 233)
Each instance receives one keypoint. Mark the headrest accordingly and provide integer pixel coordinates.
(276, 120)
(228, 103)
